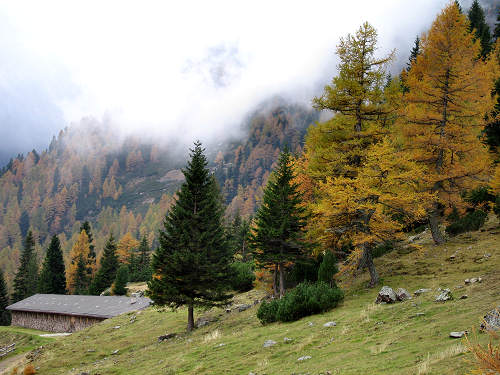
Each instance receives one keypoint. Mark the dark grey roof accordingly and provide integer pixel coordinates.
(92, 306)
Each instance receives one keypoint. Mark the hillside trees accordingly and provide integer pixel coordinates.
(126, 247)
(53, 274)
(4, 302)
(191, 266)
(26, 279)
(106, 273)
(120, 284)
(278, 236)
(449, 94)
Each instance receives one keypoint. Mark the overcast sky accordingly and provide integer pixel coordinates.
(175, 67)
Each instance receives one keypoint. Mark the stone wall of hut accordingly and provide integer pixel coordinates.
(52, 322)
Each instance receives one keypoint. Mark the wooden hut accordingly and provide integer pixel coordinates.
(69, 313)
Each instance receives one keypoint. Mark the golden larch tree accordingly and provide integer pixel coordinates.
(360, 180)
(77, 279)
(449, 93)
(126, 246)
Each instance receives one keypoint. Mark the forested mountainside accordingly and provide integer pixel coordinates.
(126, 185)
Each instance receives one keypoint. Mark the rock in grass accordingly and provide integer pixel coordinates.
(421, 291)
(457, 335)
(330, 324)
(166, 337)
(115, 352)
(444, 296)
(402, 294)
(491, 321)
(287, 339)
(387, 295)
(306, 357)
(269, 343)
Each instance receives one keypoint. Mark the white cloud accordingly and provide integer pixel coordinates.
(157, 66)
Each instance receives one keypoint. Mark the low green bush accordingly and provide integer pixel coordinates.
(470, 222)
(306, 299)
(243, 276)
(267, 312)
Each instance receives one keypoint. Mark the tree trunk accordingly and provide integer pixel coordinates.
(282, 280)
(190, 325)
(368, 262)
(275, 280)
(437, 236)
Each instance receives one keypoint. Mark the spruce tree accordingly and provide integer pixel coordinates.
(191, 266)
(280, 221)
(4, 302)
(119, 287)
(108, 268)
(53, 274)
(480, 28)
(415, 51)
(26, 279)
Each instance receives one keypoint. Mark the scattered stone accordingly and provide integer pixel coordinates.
(115, 352)
(84, 373)
(116, 327)
(243, 307)
(402, 294)
(268, 343)
(304, 358)
(445, 295)
(454, 255)
(457, 335)
(416, 315)
(491, 321)
(310, 324)
(459, 287)
(228, 310)
(330, 324)
(473, 280)
(421, 291)
(287, 339)
(387, 295)
(201, 322)
(465, 296)
(487, 255)
(137, 294)
(166, 337)
(220, 345)
(91, 350)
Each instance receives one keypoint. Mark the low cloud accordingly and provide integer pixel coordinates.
(189, 69)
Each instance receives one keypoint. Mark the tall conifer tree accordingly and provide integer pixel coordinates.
(191, 266)
(26, 279)
(444, 113)
(480, 28)
(107, 271)
(280, 221)
(53, 274)
(4, 302)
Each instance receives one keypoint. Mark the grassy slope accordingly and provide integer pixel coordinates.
(368, 338)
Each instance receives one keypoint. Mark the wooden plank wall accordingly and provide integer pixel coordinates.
(52, 322)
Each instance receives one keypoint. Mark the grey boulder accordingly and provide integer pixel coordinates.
(386, 295)
(444, 296)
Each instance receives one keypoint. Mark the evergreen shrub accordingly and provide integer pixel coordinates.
(306, 299)
(470, 222)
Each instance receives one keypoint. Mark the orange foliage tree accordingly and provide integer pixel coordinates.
(444, 112)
